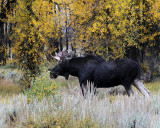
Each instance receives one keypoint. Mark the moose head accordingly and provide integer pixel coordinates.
(60, 68)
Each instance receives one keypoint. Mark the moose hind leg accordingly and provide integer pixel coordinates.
(139, 85)
(145, 88)
(129, 90)
(132, 89)
(82, 89)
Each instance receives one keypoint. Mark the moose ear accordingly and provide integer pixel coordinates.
(63, 56)
(70, 55)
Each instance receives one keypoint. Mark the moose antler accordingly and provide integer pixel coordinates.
(57, 56)
(64, 55)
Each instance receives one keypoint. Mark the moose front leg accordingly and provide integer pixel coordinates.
(83, 86)
(84, 89)
(83, 83)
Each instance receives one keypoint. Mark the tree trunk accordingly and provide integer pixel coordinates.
(2, 16)
(66, 27)
(10, 44)
(5, 8)
(60, 41)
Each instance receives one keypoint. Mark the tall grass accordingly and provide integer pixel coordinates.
(76, 112)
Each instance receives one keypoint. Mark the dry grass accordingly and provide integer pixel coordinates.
(154, 86)
(8, 87)
(74, 111)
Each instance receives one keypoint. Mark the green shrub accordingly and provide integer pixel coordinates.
(42, 87)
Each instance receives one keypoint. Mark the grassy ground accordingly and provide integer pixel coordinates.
(154, 86)
(9, 88)
(73, 111)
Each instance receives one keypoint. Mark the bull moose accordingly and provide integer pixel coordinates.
(102, 73)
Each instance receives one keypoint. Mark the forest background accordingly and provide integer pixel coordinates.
(32, 30)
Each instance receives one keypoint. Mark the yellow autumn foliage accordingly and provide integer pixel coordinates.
(108, 26)
(35, 22)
